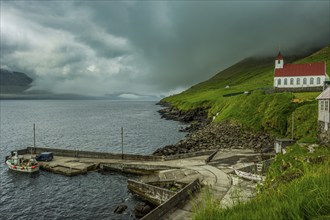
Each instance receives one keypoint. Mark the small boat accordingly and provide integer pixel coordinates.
(250, 176)
(19, 163)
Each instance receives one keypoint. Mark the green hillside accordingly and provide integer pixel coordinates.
(262, 109)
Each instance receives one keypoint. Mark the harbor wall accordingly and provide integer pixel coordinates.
(193, 154)
(105, 155)
(171, 203)
(137, 169)
(153, 194)
(90, 154)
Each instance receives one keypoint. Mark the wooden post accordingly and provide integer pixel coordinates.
(122, 143)
(34, 138)
(292, 130)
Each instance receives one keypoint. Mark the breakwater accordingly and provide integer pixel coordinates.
(105, 155)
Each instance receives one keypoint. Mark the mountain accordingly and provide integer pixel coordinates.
(13, 82)
(13, 85)
(260, 108)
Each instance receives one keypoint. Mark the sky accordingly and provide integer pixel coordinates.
(149, 48)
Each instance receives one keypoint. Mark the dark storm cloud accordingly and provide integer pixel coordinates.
(103, 47)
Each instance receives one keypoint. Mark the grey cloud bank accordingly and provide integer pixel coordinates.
(150, 47)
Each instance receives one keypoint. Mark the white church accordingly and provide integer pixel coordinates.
(305, 76)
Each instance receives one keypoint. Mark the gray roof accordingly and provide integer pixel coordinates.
(325, 94)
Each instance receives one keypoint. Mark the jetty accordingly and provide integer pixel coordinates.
(167, 182)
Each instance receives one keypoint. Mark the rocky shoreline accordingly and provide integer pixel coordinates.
(204, 135)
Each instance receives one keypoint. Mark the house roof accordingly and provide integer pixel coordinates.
(325, 94)
(303, 69)
(279, 56)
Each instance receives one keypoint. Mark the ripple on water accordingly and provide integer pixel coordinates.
(82, 125)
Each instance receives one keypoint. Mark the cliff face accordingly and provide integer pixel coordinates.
(13, 82)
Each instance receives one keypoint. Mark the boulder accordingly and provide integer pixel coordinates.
(142, 209)
(120, 209)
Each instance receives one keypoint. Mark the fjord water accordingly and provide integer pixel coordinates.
(93, 125)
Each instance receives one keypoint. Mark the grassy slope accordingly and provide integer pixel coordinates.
(297, 187)
(259, 111)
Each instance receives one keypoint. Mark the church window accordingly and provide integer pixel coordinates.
(318, 80)
(298, 81)
(291, 81)
(311, 81)
(304, 81)
(279, 82)
(285, 81)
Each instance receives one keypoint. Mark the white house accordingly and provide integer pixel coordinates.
(324, 116)
(294, 76)
(324, 108)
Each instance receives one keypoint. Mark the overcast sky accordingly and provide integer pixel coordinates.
(149, 47)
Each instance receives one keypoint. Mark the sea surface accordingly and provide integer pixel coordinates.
(93, 125)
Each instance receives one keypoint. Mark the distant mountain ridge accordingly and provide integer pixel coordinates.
(13, 82)
(14, 85)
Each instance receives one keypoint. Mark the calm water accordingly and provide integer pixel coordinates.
(82, 125)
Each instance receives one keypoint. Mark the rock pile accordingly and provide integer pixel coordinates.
(219, 135)
(197, 117)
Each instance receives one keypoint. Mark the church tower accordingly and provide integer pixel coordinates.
(279, 62)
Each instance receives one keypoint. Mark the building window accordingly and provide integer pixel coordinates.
(298, 81)
(291, 81)
(322, 105)
(311, 81)
(326, 105)
(304, 81)
(285, 81)
(279, 82)
(318, 80)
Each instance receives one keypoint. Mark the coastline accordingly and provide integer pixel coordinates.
(205, 135)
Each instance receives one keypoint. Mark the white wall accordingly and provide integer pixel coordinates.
(279, 64)
(324, 110)
(301, 85)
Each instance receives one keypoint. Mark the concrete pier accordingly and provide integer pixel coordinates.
(209, 168)
(69, 166)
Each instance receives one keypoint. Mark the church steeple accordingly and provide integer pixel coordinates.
(279, 62)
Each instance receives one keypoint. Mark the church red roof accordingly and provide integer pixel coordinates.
(304, 69)
(279, 56)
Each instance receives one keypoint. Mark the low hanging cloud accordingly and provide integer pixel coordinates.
(149, 48)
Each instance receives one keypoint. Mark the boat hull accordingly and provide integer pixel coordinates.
(22, 168)
(249, 176)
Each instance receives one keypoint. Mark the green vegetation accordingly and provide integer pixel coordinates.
(261, 110)
(297, 187)
(297, 184)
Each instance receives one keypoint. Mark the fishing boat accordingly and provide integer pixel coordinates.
(250, 176)
(19, 163)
